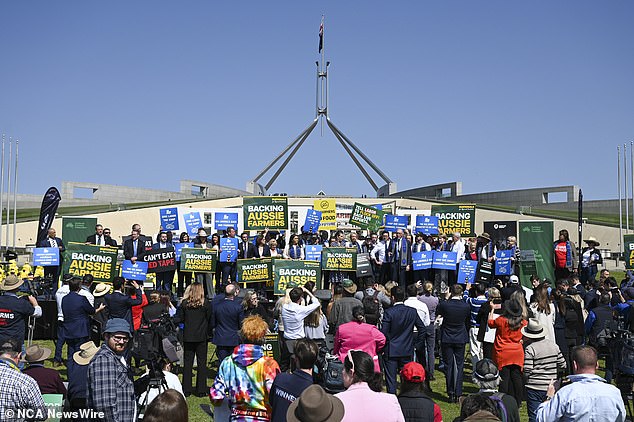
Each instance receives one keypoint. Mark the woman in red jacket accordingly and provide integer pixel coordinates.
(508, 353)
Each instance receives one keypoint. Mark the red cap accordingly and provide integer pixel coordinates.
(413, 372)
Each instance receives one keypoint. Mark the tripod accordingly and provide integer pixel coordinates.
(157, 383)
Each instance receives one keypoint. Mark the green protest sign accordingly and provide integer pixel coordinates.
(81, 259)
(77, 229)
(255, 270)
(261, 212)
(455, 219)
(199, 260)
(339, 259)
(538, 237)
(298, 272)
(628, 251)
(366, 217)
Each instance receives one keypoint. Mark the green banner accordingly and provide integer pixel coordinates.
(538, 237)
(298, 272)
(271, 347)
(366, 217)
(339, 259)
(81, 259)
(261, 212)
(77, 229)
(628, 251)
(255, 270)
(199, 260)
(455, 219)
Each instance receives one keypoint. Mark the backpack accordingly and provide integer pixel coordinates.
(604, 336)
(371, 307)
(333, 376)
(497, 399)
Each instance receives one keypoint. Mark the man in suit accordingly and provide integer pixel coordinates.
(164, 279)
(402, 254)
(398, 327)
(229, 268)
(120, 304)
(99, 238)
(51, 241)
(109, 240)
(133, 247)
(226, 320)
(246, 249)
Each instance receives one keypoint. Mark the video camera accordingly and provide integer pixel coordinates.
(157, 339)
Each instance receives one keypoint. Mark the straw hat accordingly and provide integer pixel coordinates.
(36, 353)
(86, 352)
(592, 239)
(101, 289)
(12, 282)
(533, 329)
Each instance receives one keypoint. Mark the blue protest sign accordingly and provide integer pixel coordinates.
(179, 246)
(313, 218)
(169, 218)
(229, 246)
(422, 260)
(467, 271)
(136, 271)
(222, 220)
(45, 257)
(427, 224)
(395, 222)
(503, 262)
(444, 260)
(313, 252)
(192, 222)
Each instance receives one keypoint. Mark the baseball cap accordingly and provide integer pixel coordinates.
(413, 372)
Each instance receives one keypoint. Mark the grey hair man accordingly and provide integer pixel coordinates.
(486, 377)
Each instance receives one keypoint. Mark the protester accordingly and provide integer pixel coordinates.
(587, 398)
(453, 337)
(598, 324)
(226, 317)
(486, 377)
(293, 249)
(374, 301)
(288, 387)
(77, 374)
(154, 309)
(17, 390)
(415, 404)
(49, 380)
(401, 251)
(100, 319)
(420, 346)
(565, 256)
(184, 277)
(486, 335)
(478, 407)
(61, 340)
(293, 315)
(246, 377)
(133, 248)
(569, 325)
(195, 313)
(544, 311)
(170, 405)
(363, 399)
(358, 335)
(342, 308)
(430, 333)
(316, 327)
(315, 405)
(164, 279)
(475, 297)
(252, 306)
(110, 387)
(120, 304)
(15, 311)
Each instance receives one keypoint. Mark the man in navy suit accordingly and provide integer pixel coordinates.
(398, 327)
(401, 250)
(51, 241)
(133, 247)
(246, 249)
(164, 279)
(226, 320)
(120, 304)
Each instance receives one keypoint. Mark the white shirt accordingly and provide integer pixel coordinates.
(458, 247)
(171, 380)
(293, 316)
(378, 252)
(421, 309)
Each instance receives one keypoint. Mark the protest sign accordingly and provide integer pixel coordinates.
(179, 246)
(328, 208)
(271, 347)
(395, 222)
(81, 259)
(223, 220)
(192, 222)
(255, 270)
(137, 271)
(339, 259)
(313, 252)
(160, 260)
(229, 247)
(311, 224)
(628, 253)
(538, 237)
(298, 272)
(485, 272)
(500, 231)
(427, 224)
(467, 271)
(364, 268)
(503, 262)
(366, 217)
(199, 260)
(169, 218)
(422, 260)
(261, 212)
(455, 219)
(444, 260)
(46, 257)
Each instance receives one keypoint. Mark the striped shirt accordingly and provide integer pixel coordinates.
(475, 303)
(542, 359)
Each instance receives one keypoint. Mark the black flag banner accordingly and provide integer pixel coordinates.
(47, 212)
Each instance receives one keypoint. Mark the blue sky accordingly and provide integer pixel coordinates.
(499, 95)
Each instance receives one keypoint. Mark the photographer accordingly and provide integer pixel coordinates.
(119, 304)
(171, 380)
(15, 310)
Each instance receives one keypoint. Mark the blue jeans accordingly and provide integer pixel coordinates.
(533, 400)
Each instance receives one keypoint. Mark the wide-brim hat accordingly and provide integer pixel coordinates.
(592, 239)
(12, 282)
(36, 353)
(315, 405)
(485, 235)
(101, 289)
(533, 330)
(513, 308)
(349, 286)
(85, 354)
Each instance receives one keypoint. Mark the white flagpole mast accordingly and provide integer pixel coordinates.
(15, 195)
(1, 188)
(6, 243)
(627, 204)
(618, 167)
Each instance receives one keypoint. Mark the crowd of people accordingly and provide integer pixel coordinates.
(390, 331)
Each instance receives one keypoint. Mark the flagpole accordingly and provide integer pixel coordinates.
(15, 195)
(627, 204)
(6, 244)
(632, 174)
(618, 169)
(1, 188)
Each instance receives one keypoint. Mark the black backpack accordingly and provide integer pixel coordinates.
(371, 307)
(333, 376)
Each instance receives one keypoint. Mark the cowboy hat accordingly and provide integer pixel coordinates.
(592, 239)
(485, 235)
(101, 289)
(85, 354)
(533, 330)
(12, 282)
(349, 286)
(36, 353)
(315, 405)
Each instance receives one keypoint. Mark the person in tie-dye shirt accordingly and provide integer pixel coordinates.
(246, 379)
